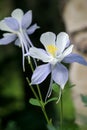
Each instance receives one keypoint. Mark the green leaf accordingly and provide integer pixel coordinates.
(84, 99)
(34, 102)
(51, 127)
(51, 99)
(55, 87)
(72, 85)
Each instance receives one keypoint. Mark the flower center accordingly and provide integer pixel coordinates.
(52, 49)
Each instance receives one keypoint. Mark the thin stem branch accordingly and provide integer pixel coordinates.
(35, 94)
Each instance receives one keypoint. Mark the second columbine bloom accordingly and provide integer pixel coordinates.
(18, 27)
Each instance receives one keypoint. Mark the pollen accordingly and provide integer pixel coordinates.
(52, 49)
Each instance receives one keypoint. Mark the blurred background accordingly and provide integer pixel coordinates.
(15, 111)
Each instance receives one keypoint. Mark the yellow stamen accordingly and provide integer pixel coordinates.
(52, 49)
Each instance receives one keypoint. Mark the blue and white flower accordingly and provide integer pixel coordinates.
(18, 28)
(57, 50)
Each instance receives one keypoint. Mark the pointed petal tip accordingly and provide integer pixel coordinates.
(32, 29)
(62, 86)
(37, 26)
(73, 57)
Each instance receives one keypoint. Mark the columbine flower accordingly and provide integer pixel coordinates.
(18, 26)
(57, 50)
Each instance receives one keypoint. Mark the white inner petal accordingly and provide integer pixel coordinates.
(39, 54)
(68, 51)
(6, 34)
(62, 40)
(17, 14)
(4, 27)
(48, 38)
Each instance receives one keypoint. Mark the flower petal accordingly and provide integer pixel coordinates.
(74, 58)
(4, 27)
(17, 42)
(27, 19)
(39, 54)
(17, 14)
(7, 39)
(48, 38)
(12, 23)
(32, 29)
(40, 74)
(60, 74)
(68, 51)
(62, 41)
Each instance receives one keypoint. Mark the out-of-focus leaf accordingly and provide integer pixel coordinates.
(55, 87)
(72, 85)
(84, 99)
(51, 127)
(34, 102)
(12, 126)
(51, 99)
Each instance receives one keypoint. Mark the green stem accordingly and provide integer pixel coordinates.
(38, 89)
(41, 103)
(31, 66)
(35, 94)
(39, 92)
(40, 96)
(61, 111)
(46, 117)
